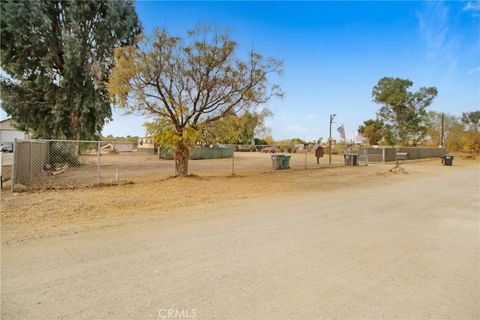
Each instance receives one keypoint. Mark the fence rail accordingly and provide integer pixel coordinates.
(386, 154)
(45, 164)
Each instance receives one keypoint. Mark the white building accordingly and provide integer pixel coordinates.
(8, 133)
(145, 142)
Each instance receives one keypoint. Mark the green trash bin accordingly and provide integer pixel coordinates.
(286, 162)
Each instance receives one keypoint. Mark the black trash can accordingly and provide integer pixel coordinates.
(351, 159)
(447, 160)
(354, 159)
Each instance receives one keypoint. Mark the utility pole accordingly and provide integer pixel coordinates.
(332, 116)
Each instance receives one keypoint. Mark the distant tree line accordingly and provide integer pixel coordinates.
(403, 119)
(120, 138)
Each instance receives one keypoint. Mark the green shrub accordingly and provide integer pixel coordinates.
(64, 154)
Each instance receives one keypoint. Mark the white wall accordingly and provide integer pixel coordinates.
(10, 135)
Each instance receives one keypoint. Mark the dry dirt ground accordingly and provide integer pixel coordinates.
(327, 243)
(138, 166)
(40, 213)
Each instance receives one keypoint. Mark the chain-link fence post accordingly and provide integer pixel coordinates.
(29, 162)
(98, 162)
(14, 165)
(365, 151)
(1, 171)
(233, 162)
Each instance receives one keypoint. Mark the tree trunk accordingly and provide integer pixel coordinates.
(74, 137)
(182, 155)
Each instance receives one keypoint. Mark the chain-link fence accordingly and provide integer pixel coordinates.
(55, 163)
(63, 164)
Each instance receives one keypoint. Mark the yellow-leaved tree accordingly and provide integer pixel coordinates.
(187, 85)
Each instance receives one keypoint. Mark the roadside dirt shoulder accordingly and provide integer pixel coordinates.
(28, 216)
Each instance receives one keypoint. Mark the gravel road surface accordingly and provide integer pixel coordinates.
(403, 249)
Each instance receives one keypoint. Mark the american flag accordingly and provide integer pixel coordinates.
(341, 130)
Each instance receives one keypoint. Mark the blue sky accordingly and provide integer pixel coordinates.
(335, 52)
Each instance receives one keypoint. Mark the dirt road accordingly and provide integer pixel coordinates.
(406, 248)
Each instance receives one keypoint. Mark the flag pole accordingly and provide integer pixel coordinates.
(332, 116)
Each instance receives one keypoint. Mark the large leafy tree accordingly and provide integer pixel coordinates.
(190, 84)
(404, 110)
(237, 129)
(389, 137)
(372, 130)
(231, 129)
(57, 56)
